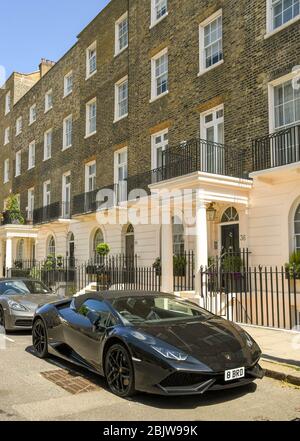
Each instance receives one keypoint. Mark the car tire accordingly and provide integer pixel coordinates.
(119, 371)
(40, 339)
(2, 319)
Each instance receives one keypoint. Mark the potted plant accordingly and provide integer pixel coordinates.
(102, 250)
(12, 214)
(157, 266)
(232, 272)
(292, 268)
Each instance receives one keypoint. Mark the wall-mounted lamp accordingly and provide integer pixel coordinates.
(211, 212)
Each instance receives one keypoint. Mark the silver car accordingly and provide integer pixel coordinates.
(19, 299)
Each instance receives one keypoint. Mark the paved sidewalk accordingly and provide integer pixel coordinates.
(276, 345)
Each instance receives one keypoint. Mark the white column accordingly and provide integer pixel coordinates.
(167, 285)
(9, 253)
(201, 258)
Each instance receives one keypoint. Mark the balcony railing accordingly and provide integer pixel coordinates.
(203, 156)
(13, 218)
(275, 150)
(52, 212)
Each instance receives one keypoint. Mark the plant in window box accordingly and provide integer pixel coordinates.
(292, 268)
(12, 214)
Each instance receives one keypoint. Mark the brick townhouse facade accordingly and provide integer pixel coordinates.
(145, 75)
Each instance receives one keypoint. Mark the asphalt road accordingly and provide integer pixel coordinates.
(25, 394)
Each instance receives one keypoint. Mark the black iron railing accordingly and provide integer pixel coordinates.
(52, 212)
(203, 156)
(262, 296)
(275, 150)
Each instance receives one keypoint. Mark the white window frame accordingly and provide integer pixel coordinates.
(270, 23)
(18, 163)
(118, 49)
(88, 73)
(47, 105)
(46, 193)
(121, 189)
(87, 117)
(202, 68)
(31, 155)
(67, 145)
(48, 150)
(19, 125)
(90, 176)
(154, 147)
(154, 95)
(217, 166)
(154, 20)
(31, 114)
(7, 136)
(7, 108)
(66, 210)
(66, 78)
(6, 171)
(117, 102)
(271, 87)
(30, 203)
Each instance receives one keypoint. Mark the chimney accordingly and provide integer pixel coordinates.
(45, 66)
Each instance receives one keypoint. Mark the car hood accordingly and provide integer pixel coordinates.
(34, 301)
(217, 343)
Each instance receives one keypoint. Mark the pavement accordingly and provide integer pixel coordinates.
(27, 394)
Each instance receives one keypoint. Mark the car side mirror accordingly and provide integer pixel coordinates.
(95, 319)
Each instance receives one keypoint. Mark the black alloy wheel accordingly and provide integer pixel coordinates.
(39, 339)
(2, 318)
(119, 371)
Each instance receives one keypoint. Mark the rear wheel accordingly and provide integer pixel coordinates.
(2, 318)
(39, 339)
(119, 371)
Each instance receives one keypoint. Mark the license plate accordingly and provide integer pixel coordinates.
(235, 374)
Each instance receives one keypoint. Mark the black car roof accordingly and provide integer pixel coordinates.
(112, 295)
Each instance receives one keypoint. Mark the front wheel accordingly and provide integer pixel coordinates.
(119, 371)
(39, 339)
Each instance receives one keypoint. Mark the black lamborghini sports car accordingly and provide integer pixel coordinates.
(150, 342)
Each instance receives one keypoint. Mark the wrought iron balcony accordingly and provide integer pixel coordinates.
(275, 150)
(203, 156)
(51, 213)
(13, 218)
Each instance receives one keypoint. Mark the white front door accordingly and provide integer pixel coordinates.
(121, 174)
(212, 131)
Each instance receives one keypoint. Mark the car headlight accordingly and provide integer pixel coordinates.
(170, 354)
(16, 306)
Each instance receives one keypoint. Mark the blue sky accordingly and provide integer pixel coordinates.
(35, 29)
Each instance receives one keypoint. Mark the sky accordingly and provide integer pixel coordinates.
(35, 29)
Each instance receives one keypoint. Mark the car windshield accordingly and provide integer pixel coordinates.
(158, 310)
(22, 287)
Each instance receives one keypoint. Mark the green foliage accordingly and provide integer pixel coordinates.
(103, 249)
(179, 265)
(293, 267)
(232, 264)
(13, 210)
(157, 266)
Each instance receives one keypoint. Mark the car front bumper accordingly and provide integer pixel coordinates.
(183, 382)
(18, 320)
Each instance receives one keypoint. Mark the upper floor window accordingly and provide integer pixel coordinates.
(7, 103)
(121, 34)
(6, 171)
(67, 132)
(91, 117)
(297, 229)
(159, 143)
(159, 74)
(18, 163)
(281, 12)
(47, 144)
(48, 100)
(91, 60)
(31, 155)
(159, 10)
(6, 135)
(19, 124)
(68, 84)
(121, 99)
(286, 105)
(47, 193)
(211, 42)
(32, 114)
(90, 176)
